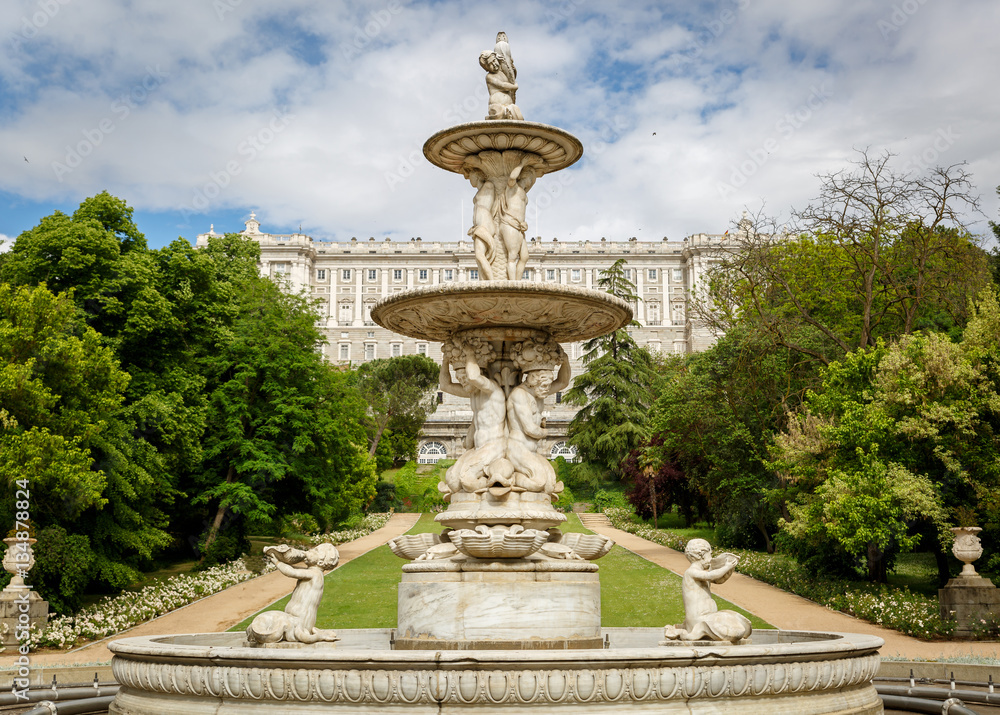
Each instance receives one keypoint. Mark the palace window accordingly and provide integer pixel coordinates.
(345, 312)
(449, 274)
(369, 351)
(677, 275)
(279, 269)
(473, 274)
(423, 274)
(397, 349)
(527, 274)
(345, 274)
(653, 313)
(345, 351)
(321, 274)
(372, 274)
(550, 274)
(651, 274)
(397, 274)
(421, 348)
(564, 450)
(575, 274)
(431, 452)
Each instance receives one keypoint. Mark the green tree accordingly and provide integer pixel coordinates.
(61, 428)
(878, 254)
(898, 435)
(399, 391)
(714, 418)
(280, 426)
(616, 390)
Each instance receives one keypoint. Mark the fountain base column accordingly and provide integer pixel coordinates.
(499, 605)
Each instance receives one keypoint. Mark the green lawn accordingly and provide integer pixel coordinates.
(634, 592)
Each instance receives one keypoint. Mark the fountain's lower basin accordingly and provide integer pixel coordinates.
(796, 672)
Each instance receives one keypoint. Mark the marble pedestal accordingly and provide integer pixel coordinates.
(21, 604)
(504, 604)
(965, 599)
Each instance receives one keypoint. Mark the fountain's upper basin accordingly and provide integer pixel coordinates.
(780, 672)
(568, 313)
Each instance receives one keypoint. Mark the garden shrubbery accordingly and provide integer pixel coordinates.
(897, 608)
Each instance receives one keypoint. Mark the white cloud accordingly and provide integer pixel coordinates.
(365, 84)
(5, 242)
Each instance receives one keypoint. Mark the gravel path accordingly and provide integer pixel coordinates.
(790, 612)
(784, 610)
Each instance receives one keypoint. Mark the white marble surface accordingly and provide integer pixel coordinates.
(785, 673)
(501, 605)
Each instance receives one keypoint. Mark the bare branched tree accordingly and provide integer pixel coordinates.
(878, 253)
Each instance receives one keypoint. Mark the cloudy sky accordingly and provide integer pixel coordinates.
(314, 112)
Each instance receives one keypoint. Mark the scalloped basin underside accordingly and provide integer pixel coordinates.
(779, 672)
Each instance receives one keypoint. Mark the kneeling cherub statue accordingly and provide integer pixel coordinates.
(297, 623)
(703, 621)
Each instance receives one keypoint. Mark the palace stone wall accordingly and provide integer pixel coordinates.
(350, 277)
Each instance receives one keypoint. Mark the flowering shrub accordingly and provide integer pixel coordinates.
(897, 608)
(986, 627)
(114, 614)
(130, 608)
(370, 523)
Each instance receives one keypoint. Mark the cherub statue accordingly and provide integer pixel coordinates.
(499, 83)
(297, 623)
(702, 618)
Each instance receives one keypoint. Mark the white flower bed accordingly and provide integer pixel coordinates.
(370, 523)
(130, 608)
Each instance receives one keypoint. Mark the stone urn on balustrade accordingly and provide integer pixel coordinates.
(967, 597)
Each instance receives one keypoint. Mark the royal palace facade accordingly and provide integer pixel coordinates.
(348, 278)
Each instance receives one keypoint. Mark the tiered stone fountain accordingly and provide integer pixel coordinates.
(501, 612)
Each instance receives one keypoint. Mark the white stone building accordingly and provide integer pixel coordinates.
(350, 277)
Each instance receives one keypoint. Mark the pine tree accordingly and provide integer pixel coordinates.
(616, 390)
